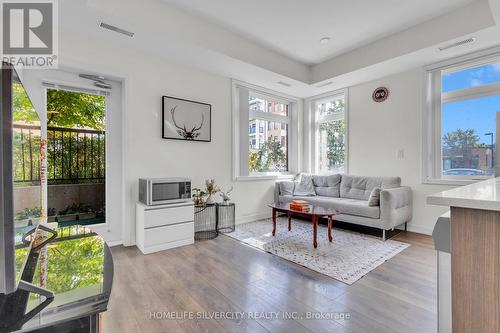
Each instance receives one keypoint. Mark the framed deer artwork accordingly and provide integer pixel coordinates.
(183, 119)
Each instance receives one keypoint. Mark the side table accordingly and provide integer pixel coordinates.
(225, 217)
(205, 222)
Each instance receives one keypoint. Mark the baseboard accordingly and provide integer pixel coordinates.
(252, 217)
(114, 243)
(419, 229)
(165, 246)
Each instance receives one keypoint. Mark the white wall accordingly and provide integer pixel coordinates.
(377, 131)
(146, 79)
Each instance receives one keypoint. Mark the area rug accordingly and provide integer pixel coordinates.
(347, 258)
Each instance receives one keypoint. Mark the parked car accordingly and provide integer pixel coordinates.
(463, 172)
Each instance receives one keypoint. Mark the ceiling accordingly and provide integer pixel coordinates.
(294, 27)
(371, 49)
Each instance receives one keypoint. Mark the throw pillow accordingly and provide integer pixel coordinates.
(374, 199)
(287, 187)
(304, 186)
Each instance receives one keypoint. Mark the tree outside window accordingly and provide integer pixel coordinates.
(331, 135)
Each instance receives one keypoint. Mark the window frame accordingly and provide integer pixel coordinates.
(241, 114)
(315, 121)
(434, 99)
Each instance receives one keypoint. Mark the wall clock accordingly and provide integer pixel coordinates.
(380, 94)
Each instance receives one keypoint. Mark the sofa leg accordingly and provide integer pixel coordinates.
(383, 235)
(406, 225)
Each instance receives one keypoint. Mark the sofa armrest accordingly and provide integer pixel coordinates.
(277, 191)
(396, 206)
(277, 188)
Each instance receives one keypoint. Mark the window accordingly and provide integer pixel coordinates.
(269, 151)
(330, 134)
(76, 157)
(462, 118)
(272, 153)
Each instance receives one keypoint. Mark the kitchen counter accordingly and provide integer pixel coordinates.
(474, 232)
(480, 195)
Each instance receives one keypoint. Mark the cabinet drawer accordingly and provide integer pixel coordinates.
(166, 216)
(169, 233)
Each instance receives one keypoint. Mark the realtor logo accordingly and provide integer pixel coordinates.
(29, 37)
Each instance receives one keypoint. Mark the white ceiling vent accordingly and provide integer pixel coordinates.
(116, 29)
(460, 43)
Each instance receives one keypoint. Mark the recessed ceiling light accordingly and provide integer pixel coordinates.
(324, 40)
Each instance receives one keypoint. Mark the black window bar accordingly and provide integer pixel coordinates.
(73, 155)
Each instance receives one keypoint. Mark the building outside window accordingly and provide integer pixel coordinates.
(268, 153)
(271, 153)
(464, 109)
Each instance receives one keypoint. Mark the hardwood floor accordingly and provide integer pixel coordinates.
(223, 276)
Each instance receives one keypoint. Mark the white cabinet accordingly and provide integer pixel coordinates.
(164, 227)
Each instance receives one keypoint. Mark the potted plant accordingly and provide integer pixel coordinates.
(68, 214)
(27, 216)
(51, 215)
(85, 212)
(198, 197)
(211, 189)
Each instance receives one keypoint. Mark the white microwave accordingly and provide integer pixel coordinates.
(160, 191)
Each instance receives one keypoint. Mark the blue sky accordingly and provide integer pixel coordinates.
(478, 114)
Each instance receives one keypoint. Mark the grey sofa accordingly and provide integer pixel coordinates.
(350, 195)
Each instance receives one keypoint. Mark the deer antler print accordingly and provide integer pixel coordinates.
(182, 131)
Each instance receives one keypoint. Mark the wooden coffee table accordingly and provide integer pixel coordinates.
(314, 214)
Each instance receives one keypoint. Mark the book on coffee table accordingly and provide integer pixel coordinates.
(300, 205)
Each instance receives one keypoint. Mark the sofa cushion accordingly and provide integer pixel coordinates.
(341, 205)
(328, 186)
(287, 187)
(349, 206)
(374, 199)
(357, 187)
(304, 186)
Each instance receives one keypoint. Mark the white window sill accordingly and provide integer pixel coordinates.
(452, 182)
(265, 177)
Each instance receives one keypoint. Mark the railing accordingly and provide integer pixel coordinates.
(65, 233)
(74, 156)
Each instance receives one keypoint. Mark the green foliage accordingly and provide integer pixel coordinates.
(21, 104)
(335, 142)
(71, 156)
(458, 146)
(83, 256)
(21, 255)
(254, 160)
(461, 139)
(26, 162)
(271, 157)
(64, 109)
(75, 158)
(335, 135)
(69, 109)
